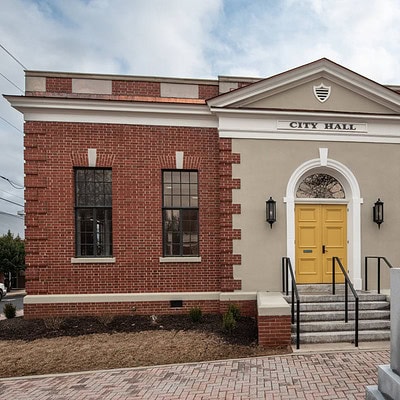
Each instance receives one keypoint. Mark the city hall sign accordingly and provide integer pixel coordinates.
(322, 126)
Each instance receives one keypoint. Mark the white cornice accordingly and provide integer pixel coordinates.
(116, 112)
(326, 68)
(264, 124)
(248, 113)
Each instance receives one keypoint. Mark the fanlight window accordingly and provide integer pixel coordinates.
(320, 186)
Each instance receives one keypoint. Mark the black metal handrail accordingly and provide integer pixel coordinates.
(379, 258)
(286, 269)
(346, 296)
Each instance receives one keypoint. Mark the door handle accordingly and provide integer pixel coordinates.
(323, 249)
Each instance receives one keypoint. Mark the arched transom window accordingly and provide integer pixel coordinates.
(320, 186)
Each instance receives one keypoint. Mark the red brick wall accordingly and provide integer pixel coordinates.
(227, 209)
(117, 308)
(274, 331)
(59, 85)
(136, 154)
(208, 91)
(136, 88)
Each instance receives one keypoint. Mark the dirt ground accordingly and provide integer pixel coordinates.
(32, 347)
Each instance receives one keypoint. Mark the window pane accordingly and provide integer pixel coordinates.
(176, 189)
(321, 186)
(193, 177)
(93, 187)
(167, 176)
(185, 201)
(194, 201)
(107, 175)
(180, 225)
(176, 177)
(176, 201)
(185, 177)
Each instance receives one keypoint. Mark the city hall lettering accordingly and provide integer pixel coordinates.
(326, 125)
(322, 126)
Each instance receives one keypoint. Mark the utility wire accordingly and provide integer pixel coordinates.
(12, 215)
(12, 202)
(12, 83)
(5, 191)
(22, 65)
(9, 123)
(12, 183)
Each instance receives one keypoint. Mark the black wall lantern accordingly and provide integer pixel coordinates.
(271, 211)
(378, 212)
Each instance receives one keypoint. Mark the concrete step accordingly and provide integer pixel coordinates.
(334, 326)
(339, 306)
(319, 288)
(328, 298)
(333, 337)
(339, 315)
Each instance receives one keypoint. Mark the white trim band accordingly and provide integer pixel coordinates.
(180, 259)
(136, 297)
(93, 260)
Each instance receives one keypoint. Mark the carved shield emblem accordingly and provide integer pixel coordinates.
(322, 92)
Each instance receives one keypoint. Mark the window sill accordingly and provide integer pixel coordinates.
(180, 259)
(93, 260)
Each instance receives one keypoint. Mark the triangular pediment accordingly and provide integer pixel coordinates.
(321, 86)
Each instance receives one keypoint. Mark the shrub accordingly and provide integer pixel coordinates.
(53, 323)
(105, 319)
(235, 311)
(228, 322)
(195, 314)
(9, 310)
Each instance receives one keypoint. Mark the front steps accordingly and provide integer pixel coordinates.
(322, 315)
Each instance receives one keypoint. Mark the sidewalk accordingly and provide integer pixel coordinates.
(329, 374)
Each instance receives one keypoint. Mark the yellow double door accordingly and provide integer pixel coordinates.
(320, 235)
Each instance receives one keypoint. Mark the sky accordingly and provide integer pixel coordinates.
(182, 38)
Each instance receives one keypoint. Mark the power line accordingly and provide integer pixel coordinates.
(11, 215)
(12, 202)
(12, 125)
(12, 83)
(15, 59)
(5, 191)
(15, 185)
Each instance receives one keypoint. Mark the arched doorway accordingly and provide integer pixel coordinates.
(351, 201)
(321, 227)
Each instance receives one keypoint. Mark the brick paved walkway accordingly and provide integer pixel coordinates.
(330, 375)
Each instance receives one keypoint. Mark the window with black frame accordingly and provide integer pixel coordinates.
(93, 212)
(180, 213)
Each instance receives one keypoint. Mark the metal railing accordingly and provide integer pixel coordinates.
(379, 258)
(346, 296)
(286, 269)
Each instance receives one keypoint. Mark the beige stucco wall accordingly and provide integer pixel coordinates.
(302, 96)
(265, 169)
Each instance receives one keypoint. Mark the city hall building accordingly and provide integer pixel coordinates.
(159, 194)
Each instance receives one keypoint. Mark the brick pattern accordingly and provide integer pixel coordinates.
(227, 209)
(136, 88)
(134, 153)
(336, 375)
(59, 85)
(274, 331)
(208, 91)
(118, 308)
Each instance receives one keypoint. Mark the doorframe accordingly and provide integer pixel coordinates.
(353, 200)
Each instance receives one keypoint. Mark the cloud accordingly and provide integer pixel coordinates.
(269, 37)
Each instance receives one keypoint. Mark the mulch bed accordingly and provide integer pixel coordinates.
(29, 330)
